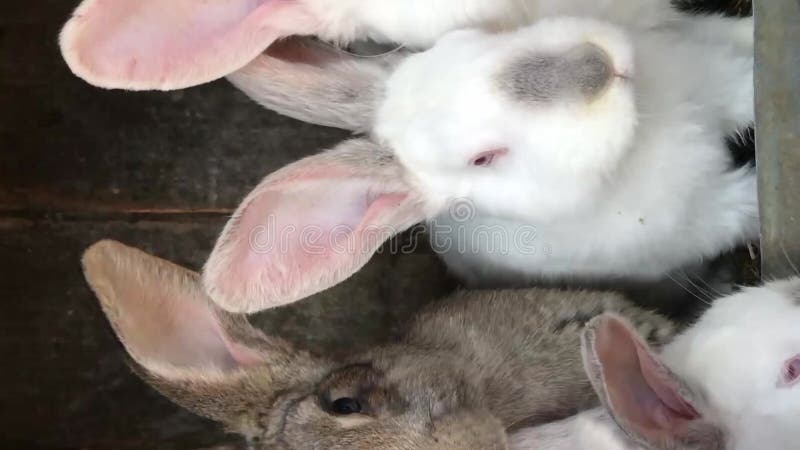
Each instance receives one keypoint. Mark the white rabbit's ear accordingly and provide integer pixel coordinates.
(645, 398)
(309, 226)
(173, 44)
(318, 83)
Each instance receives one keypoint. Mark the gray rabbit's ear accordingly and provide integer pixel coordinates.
(645, 398)
(184, 346)
(317, 83)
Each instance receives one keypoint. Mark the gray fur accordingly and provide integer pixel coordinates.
(317, 83)
(467, 370)
(585, 70)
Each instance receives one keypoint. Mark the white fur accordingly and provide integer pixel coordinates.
(589, 430)
(419, 23)
(733, 356)
(173, 44)
(635, 183)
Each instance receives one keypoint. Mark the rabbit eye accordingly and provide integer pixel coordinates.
(485, 159)
(346, 406)
(791, 371)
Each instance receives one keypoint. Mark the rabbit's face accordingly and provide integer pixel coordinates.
(731, 381)
(278, 397)
(745, 355)
(363, 406)
(525, 123)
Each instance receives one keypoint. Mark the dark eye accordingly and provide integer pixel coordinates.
(346, 406)
(485, 159)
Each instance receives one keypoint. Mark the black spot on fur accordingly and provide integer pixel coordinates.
(740, 8)
(742, 149)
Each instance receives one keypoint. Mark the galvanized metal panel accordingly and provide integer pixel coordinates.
(777, 83)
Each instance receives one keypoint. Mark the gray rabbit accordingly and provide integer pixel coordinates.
(467, 371)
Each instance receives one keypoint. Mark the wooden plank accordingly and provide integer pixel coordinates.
(777, 83)
(67, 145)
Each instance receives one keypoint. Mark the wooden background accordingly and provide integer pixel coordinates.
(159, 171)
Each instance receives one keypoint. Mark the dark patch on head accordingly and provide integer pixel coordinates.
(592, 69)
(586, 70)
(742, 148)
(536, 78)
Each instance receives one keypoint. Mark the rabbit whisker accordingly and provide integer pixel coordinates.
(694, 294)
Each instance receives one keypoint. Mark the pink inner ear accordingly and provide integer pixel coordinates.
(176, 329)
(173, 44)
(303, 234)
(160, 312)
(640, 389)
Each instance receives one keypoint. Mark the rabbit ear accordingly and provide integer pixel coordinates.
(173, 44)
(317, 83)
(309, 226)
(645, 398)
(185, 347)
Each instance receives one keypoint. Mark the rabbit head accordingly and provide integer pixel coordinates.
(484, 116)
(744, 355)
(554, 76)
(218, 366)
(728, 382)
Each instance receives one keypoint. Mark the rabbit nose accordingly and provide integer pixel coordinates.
(590, 69)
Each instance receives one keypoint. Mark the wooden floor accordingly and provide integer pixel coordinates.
(159, 171)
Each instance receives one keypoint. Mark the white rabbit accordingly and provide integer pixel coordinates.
(573, 147)
(731, 381)
(171, 44)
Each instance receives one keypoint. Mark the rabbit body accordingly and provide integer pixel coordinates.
(465, 371)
